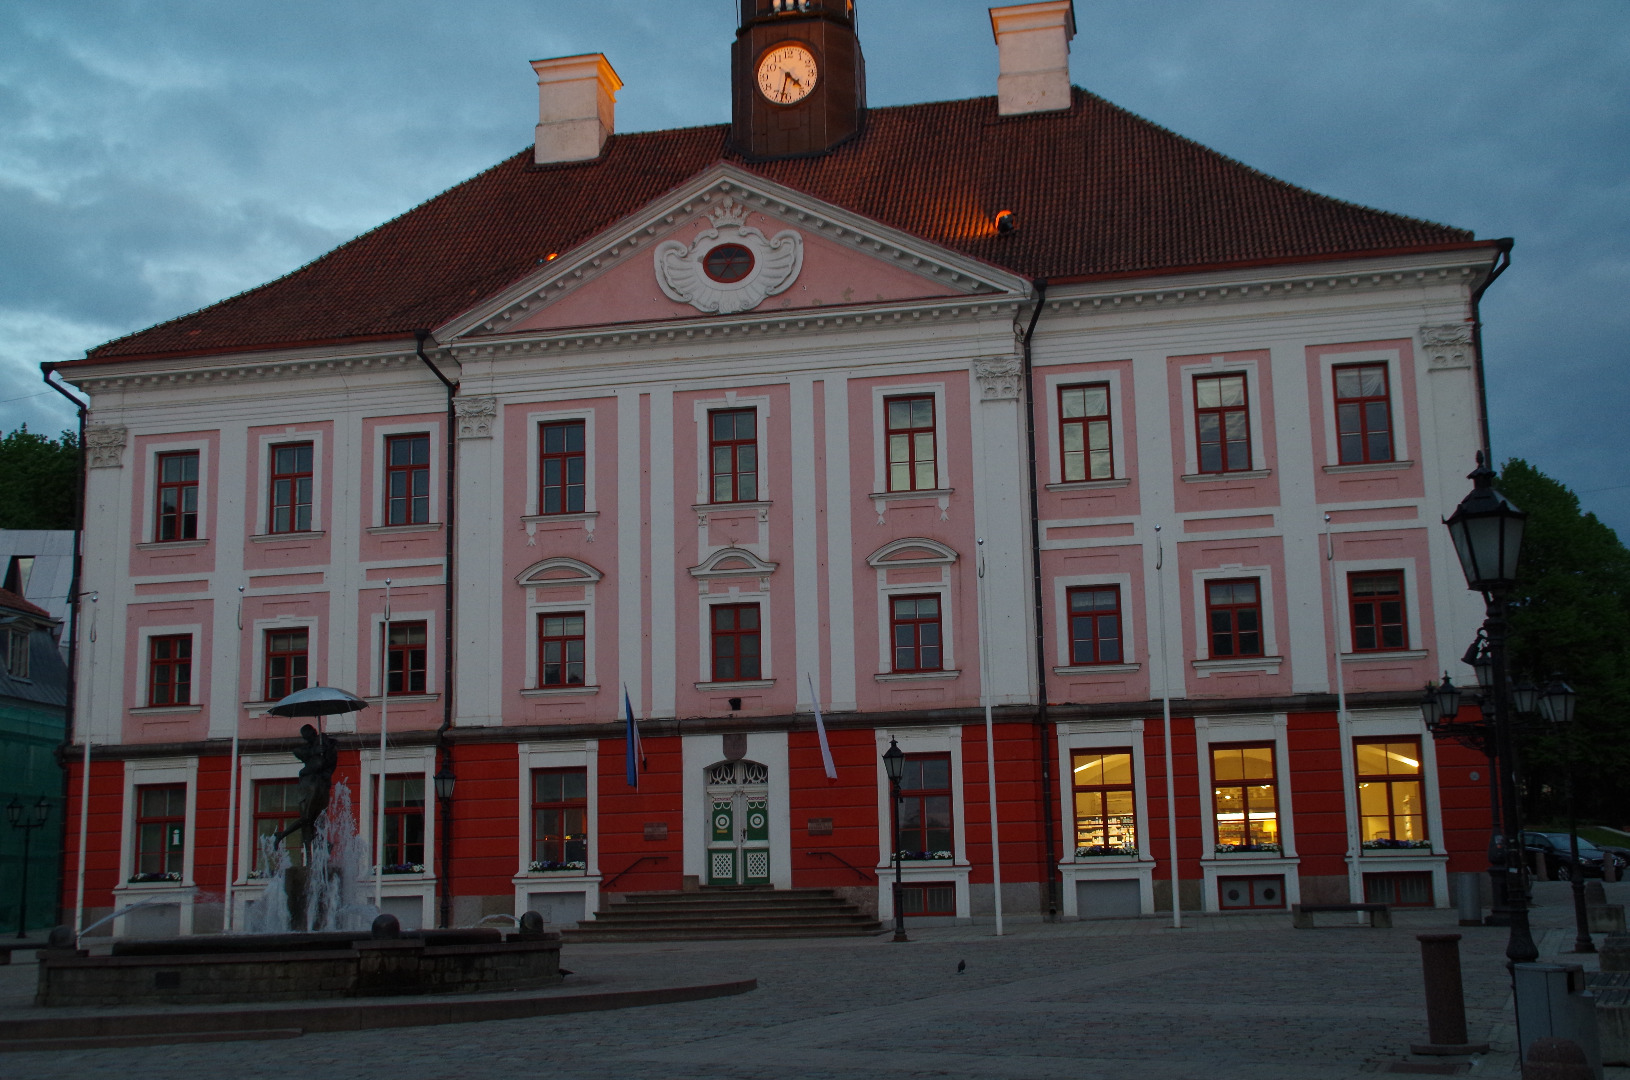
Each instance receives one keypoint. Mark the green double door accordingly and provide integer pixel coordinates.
(738, 831)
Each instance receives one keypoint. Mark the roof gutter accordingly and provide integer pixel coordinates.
(1502, 260)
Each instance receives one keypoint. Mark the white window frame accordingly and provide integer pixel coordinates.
(253, 768)
(1254, 410)
(583, 755)
(149, 525)
(1272, 729)
(935, 740)
(1271, 656)
(880, 438)
(1055, 424)
(760, 404)
(1101, 735)
(257, 666)
(381, 433)
(399, 761)
(1344, 569)
(1400, 723)
(140, 773)
(432, 659)
(534, 427)
(1061, 606)
(144, 658)
(263, 482)
(1328, 362)
(736, 595)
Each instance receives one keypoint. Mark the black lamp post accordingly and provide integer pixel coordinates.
(28, 822)
(444, 781)
(1555, 703)
(894, 763)
(1440, 708)
(1487, 533)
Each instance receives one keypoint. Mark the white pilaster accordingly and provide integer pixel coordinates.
(630, 565)
(840, 555)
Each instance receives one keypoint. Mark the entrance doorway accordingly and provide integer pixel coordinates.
(738, 829)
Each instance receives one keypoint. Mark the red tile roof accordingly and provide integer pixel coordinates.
(11, 600)
(1096, 191)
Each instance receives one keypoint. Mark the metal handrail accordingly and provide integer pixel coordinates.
(606, 886)
(841, 859)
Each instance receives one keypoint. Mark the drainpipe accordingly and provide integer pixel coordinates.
(444, 747)
(1502, 261)
(46, 371)
(1049, 857)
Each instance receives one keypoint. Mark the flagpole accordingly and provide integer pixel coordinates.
(84, 793)
(990, 743)
(384, 723)
(1166, 713)
(1343, 725)
(232, 793)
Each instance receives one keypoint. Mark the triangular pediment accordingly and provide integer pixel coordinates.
(733, 245)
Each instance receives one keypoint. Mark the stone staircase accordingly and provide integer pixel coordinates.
(723, 913)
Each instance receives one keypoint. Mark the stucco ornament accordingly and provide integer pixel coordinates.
(1448, 346)
(104, 445)
(683, 276)
(475, 416)
(998, 378)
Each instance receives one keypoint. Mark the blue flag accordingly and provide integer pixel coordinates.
(634, 755)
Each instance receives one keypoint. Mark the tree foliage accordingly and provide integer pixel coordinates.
(1571, 616)
(38, 480)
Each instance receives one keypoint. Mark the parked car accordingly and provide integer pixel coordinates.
(1557, 850)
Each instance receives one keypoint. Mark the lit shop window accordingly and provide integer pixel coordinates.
(1245, 798)
(1105, 806)
(1391, 795)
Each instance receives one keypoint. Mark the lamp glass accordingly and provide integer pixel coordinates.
(42, 810)
(1448, 695)
(894, 762)
(1558, 701)
(444, 783)
(14, 812)
(1525, 696)
(1429, 708)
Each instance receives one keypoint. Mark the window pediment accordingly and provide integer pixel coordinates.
(912, 551)
(559, 570)
(732, 561)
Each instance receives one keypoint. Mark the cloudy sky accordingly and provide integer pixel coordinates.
(158, 155)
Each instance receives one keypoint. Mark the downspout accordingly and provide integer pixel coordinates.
(46, 371)
(1049, 857)
(444, 747)
(1502, 261)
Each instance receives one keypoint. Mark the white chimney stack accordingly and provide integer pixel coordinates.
(577, 106)
(1033, 43)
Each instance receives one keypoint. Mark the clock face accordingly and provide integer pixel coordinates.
(787, 74)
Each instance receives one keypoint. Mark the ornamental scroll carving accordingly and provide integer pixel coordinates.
(776, 262)
(998, 378)
(1448, 346)
(104, 446)
(475, 416)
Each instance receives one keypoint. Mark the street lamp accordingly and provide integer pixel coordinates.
(1487, 530)
(28, 822)
(1555, 703)
(894, 763)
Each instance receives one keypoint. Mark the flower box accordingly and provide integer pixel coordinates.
(924, 856)
(405, 868)
(1097, 851)
(149, 879)
(1231, 849)
(544, 866)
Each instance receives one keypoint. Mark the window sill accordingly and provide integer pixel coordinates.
(389, 530)
(758, 505)
(1400, 853)
(560, 691)
(917, 676)
(160, 710)
(404, 699)
(1251, 856)
(576, 515)
(1370, 466)
(745, 684)
(1212, 478)
(1382, 655)
(273, 538)
(526, 876)
(921, 493)
(154, 886)
(1270, 664)
(1090, 485)
(1098, 669)
(172, 545)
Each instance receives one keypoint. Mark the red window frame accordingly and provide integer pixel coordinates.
(560, 817)
(562, 648)
(176, 496)
(736, 631)
(1095, 624)
(407, 645)
(1363, 413)
(921, 898)
(562, 467)
(169, 669)
(927, 822)
(276, 807)
(161, 828)
(1085, 448)
(1104, 786)
(1257, 891)
(1376, 603)
(1233, 623)
(407, 479)
(1391, 798)
(913, 450)
(733, 455)
(290, 488)
(1241, 788)
(1222, 424)
(404, 821)
(288, 653)
(916, 632)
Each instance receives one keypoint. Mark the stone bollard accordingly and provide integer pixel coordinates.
(1615, 953)
(1556, 1059)
(1445, 999)
(386, 927)
(531, 925)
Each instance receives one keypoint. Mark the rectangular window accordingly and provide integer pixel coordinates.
(925, 807)
(914, 625)
(1084, 435)
(1222, 423)
(928, 898)
(1095, 624)
(407, 479)
(291, 488)
(169, 670)
(277, 806)
(1377, 601)
(1410, 889)
(1363, 413)
(404, 823)
(911, 443)
(736, 643)
(15, 646)
(562, 468)
(1234, 618)
(560, 819)
(405, 663)
(161, 831)
(561, 649)
(1245, 798)
(1105, 807)
(286, 660)
(1263, 891)
(733, 451)
(177, 509)
(1391, 795)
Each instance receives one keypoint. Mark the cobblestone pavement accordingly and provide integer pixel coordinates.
(1240, 997)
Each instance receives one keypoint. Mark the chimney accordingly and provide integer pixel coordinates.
(1033, 43)
(577, 104)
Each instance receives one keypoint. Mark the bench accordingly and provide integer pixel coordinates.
(1301, 915)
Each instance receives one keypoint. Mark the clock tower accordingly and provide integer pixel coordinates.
(798, 81)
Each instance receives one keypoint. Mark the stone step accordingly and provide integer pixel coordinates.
(725, 909)
(731, 894)
(766, 919)
(723, 913)
(719, 933)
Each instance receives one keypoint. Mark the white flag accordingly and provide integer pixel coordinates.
(820, 731)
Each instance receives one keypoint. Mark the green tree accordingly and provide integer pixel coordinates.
(1571, 616)
(38, 480)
